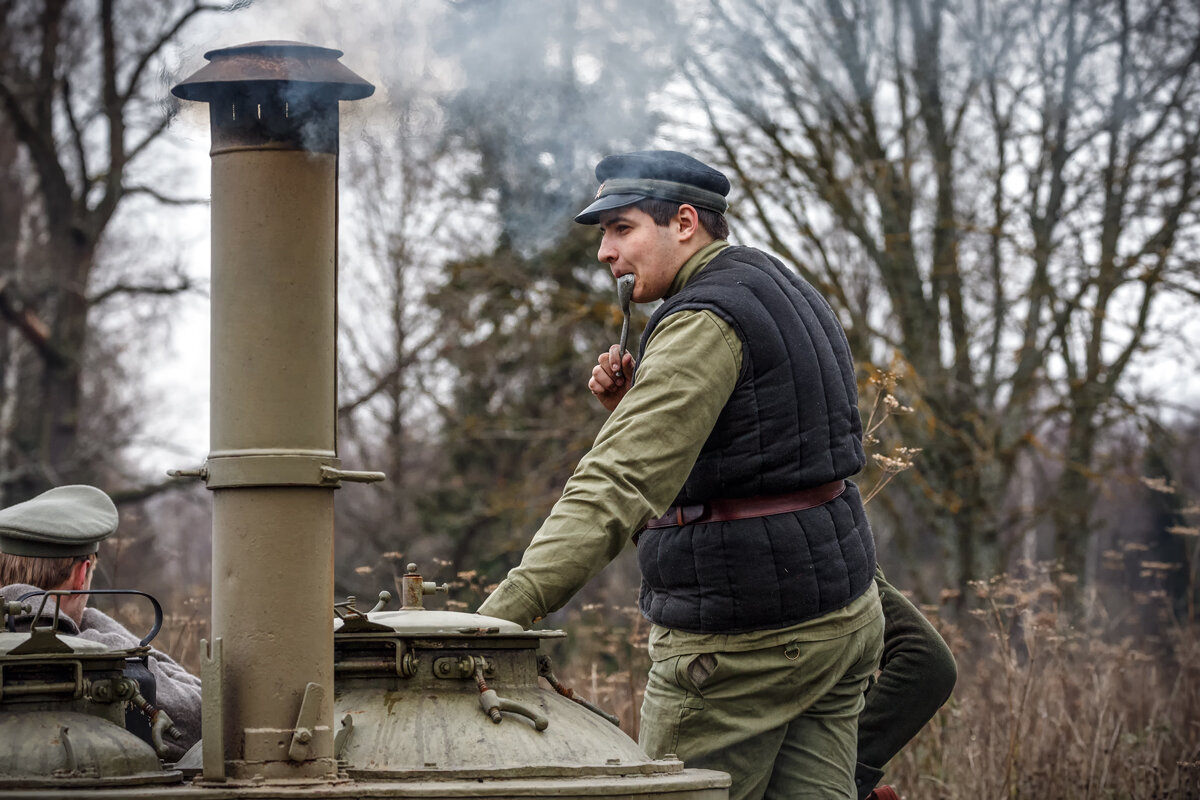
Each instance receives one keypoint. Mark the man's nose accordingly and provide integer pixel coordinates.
(607, 253)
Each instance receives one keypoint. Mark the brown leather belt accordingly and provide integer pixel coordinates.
(722, 510)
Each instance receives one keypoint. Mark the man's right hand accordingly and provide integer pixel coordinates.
(611, 377)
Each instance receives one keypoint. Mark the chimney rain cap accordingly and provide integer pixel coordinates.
(274, 62)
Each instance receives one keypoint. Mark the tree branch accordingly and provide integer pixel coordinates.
(184, 284)
(135, 76)
(167, 199)
(32, 328)
(150, 136)
(77, 140)
(114, 112)
(137, 494)
(386, 379)
(35, 130)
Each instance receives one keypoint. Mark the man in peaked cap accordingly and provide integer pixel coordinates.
(727, 456)
(51, 543)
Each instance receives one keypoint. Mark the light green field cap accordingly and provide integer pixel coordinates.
(66, 521)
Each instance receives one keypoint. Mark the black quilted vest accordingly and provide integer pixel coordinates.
(791, 423)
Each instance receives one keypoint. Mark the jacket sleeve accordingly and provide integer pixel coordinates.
(640, 459)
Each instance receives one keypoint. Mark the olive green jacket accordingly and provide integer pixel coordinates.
(636, 467)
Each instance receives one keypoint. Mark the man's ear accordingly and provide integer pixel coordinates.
(79, 575)
(687, 222)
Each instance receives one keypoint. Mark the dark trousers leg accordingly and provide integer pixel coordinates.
(917, 674)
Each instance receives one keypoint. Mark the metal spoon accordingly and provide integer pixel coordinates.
(624, 295)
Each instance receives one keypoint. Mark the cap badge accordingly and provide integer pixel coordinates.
(600, 191)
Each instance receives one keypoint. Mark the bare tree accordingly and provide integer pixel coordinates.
(400, 216)
(472, 306)
(81, 96)
(995, 196)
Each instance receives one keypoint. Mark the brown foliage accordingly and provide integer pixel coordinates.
(1044, 707)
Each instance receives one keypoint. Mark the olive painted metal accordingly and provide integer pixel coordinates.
(424, 694)
(62, 714)
(273, 462)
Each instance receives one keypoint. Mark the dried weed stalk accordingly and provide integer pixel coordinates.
(885, 406)
(1045, 709)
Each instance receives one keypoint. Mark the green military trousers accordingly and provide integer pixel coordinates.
(781, 720)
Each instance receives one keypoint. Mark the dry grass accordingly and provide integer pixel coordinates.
(1048, 708)
(1045, 708)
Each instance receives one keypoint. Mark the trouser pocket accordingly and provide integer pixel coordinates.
(699, 669)
(668, 701)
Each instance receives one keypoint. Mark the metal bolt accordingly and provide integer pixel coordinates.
(198, 472)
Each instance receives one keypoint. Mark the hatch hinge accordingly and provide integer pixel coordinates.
(306, 722)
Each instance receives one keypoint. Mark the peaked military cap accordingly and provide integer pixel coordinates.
(626, 178)
(66, 521)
